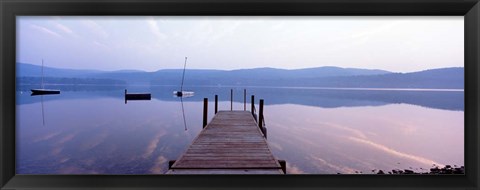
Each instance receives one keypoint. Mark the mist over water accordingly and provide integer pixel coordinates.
(90, 130)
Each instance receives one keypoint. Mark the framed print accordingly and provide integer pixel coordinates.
(186, 94)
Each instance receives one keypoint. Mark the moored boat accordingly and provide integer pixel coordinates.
(182, 93)
(43, 91)
(137, 96)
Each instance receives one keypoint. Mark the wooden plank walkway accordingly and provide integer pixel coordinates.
(231, 143)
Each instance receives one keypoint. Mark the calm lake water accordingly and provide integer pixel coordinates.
(90, 130)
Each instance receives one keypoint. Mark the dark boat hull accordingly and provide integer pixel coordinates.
(44, 91)
(138, 96)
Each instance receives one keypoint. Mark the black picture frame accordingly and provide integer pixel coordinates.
(470, 9)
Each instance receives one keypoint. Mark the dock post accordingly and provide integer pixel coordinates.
(253, 105)
(231, 99)
(260, 115)
(244, 99)
(170, 163)
(283, 164)
(125, 96)
(205, 109)
(216, 104)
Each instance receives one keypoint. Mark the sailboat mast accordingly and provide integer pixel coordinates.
(183, 76)
(42, 74)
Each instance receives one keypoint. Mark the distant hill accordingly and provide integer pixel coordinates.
(252, 76)
(346, 78)
(446, 78)
(30, 70)
(309, 77)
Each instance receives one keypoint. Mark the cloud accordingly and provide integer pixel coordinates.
(321, 162)
(153, 144)
(227, 30)
(45, 30)
(101, 45)
(66, 139)
(386, 149)
(94, 141)
(64, 29)
(294, 170)
(155, 29)
(95, 28)
(159, 164)
(46, 137)
(355, 132)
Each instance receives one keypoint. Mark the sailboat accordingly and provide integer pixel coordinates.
(182, 93)
(42, 91)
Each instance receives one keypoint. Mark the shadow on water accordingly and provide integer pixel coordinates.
(325, 98)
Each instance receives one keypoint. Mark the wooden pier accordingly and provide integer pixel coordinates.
(232, 143)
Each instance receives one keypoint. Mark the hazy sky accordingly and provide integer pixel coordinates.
(399, 44)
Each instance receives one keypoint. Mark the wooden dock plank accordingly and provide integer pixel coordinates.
(225, 171)
(231, 143)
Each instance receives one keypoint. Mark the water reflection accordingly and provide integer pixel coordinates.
(314, 130)
(325, 98)
(102, 135)
(349, 139)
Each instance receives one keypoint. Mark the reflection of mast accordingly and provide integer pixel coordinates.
(43, 114)
(42, 76)
(183, 112)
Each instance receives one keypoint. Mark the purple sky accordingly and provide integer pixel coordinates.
(399, 44)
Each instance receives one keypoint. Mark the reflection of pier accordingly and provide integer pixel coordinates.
(232, 143)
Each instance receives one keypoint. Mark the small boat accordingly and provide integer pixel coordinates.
(43, 91)
(137, 96)
(182, 93)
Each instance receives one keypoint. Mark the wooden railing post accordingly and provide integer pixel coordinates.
(260, 115)
(205, 111)
(244, 99)
(216, 104)
(231, 99)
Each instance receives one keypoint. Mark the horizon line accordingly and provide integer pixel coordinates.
(139, 70)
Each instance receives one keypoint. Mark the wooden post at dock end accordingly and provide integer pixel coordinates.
(170, 163)
(283, 164)
(260, 114)
(216, 104)
(244, 99)
(205, 111)
(231, 99)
